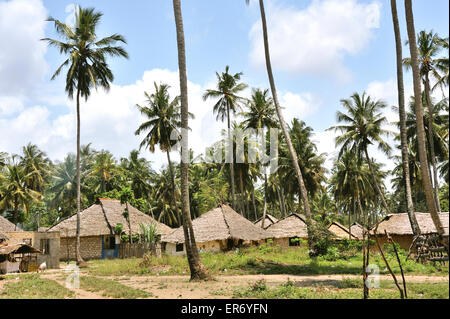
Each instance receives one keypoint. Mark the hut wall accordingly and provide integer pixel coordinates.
(50, 257)
(211, 246)
(90, 248)
(403, 240)
(283, 242)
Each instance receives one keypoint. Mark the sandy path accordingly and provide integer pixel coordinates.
(179, 287)
(172, 287)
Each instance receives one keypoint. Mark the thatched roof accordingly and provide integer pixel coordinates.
(269, 221)
(18, 249)
(101, 219)
(293, 225)
(340, 231)
(6, 225)
(398, 224)
(3, 237)
(357, 230)
(220, 223)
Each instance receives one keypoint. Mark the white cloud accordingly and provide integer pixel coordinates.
(22, 63)
(316, 40)
(299, 105)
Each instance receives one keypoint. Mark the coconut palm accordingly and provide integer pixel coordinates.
(426, 179)
(138, 174)
(198, 271)
(162, 119)
(281, 118)
(88, 69)
(364, 127)
(429, 45)
(228, 102)
(104, 168)
(401, 107)
(261, 115)
(17, 194)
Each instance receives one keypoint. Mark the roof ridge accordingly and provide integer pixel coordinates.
(225, 220)
(106, 218)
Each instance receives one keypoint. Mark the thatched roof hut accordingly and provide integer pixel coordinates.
(293, 225)
(268, 221)
(221, 223)
(357, 230)
(398, 224)
(6, 225)
(101, 219)
(340, 231)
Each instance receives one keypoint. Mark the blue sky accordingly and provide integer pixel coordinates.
(322, 51)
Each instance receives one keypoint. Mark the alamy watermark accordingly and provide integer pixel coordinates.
(250, 145)
(73, 279)
(373, 278)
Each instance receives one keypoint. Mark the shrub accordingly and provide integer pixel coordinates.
(258, 285)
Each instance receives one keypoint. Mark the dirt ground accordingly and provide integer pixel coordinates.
(173, 287)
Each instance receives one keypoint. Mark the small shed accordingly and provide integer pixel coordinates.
(267, 222)
(287, 231)
(399, 227)
(220, 229)
(18, 258)
(341, 232)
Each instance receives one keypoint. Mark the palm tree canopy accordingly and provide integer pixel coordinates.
(364, 125)
(228, 88)
(261, 111)
(86, 55)
(163, 117)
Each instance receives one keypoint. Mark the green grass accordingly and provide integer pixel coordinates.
(34, 287)
(110, 288)
(346, 289)
(264, 259)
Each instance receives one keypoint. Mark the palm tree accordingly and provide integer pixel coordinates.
(350, 182)
(364, 128)
(64, 185)
(138, 173)
(228, 88)
(37, 166)
(198, 271)
(429, 45)
(401, 106)
(17, 195)
(261, 115)
(309, 161)
(163, 118)
(281, 118)
(426, 179)
(87, 69)
(104, 168)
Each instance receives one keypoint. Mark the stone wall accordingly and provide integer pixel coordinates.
(90, 248)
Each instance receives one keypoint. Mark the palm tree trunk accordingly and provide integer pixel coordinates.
(431, 142)
(172, 181)
(402, 114)
(265, 201)
(281, 118)
(77, 239)
(431, 203)
(231, 148)
(254, 204)
(241, 187)
(198, 271)
(375, 182)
